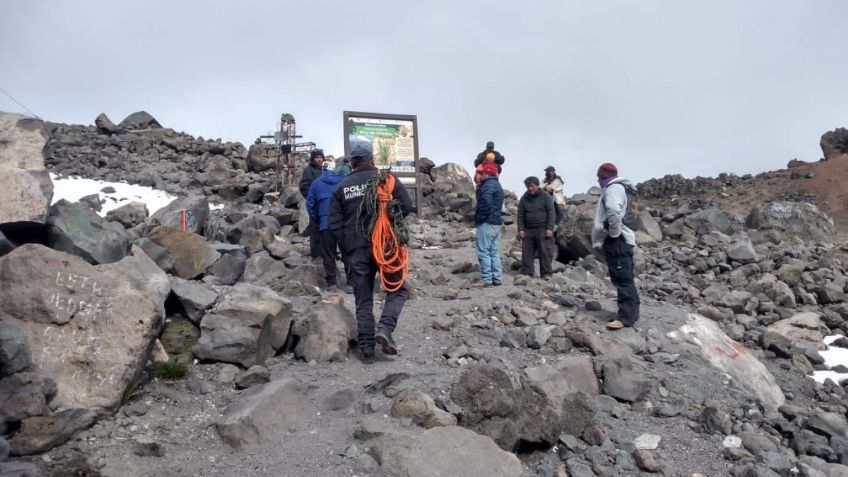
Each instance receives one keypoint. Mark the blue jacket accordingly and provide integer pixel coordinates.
(490, 197)
(318, 198)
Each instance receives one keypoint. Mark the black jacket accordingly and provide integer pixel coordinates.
(536, 211)
(345, 222)
(499, 159)
(311, 173)
(490, 199)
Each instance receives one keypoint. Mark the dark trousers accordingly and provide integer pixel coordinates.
(314, 240)
(363, 270)
(535, 242)
(619, 257)
(328, 255)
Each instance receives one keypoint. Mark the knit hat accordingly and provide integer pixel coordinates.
(490, 145)
(550, 168)
(607, 170)
(489, 168)
(531, 180)
(315, 153)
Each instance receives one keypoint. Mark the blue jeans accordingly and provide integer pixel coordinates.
(488, 252)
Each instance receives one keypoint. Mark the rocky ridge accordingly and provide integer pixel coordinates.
(517, 380)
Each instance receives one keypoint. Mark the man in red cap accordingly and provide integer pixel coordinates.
(490, 199)
(617, 241)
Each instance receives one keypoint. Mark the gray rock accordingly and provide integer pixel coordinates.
(647, 441)
(194, 298)
(25, 186)
(6, 245)
(508, 412)
(24, 395)
(129, 215)
(714, 418)
(140, 120)
(339, 400)
(226, 271)
(827, 423)
(14, 351)
(261, 269)
(78, 230)
(144, 446)
(159, 255)
(624, 381)
(19, 469)
(514, 338)
(104, 124)
(777, 462)
(324, 333)
(708, 220)
(460, 452)
(742, 250)
(98, 351)
(245, 327)
(145, 275)
(421, 408)
(92, 201)
(263, 412)
(525, 316)
(254, 232)
(195, 207)
(538, 335)
(792, 219)
(192, 256)
(41, 433)
(831, 293)
(256, 374)
(646, 461)
(569, 375)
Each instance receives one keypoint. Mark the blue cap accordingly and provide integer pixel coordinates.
(361, 150)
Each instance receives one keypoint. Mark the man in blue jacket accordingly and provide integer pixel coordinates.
(490, 199)
(318, 205)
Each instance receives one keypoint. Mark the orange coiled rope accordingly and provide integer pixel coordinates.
(391, 255)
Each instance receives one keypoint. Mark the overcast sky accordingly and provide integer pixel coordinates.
(657, 87)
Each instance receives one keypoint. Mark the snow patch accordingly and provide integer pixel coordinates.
(832, 356)
(73, 189)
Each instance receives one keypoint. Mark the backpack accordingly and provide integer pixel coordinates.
(631, 212)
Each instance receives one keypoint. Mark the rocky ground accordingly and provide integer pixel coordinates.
(100, 317)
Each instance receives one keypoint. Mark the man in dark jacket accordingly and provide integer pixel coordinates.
(318, 207)
(490, 154)
(536, 216)
(312, 171)
(490, 199)
(346, 224)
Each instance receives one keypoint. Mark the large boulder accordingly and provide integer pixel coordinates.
(624, 380)
(556, 381)
(194, 298)
(800, 327)
(451, 190)
(41, 433)
(196, 210)
(716, 349)
(78, 230)
(254, 232)
(266, 412)
(834, 143)
(191, 254)
(129, 215)
(89, 329)
(246, 327)
(147, 277)
(708, 220)
(140, 120)
(792, 219)
(262, 157)
(25, 186)
(324, 332)
(104, 124)
(573, 237)
(441, 452)
(515, 415)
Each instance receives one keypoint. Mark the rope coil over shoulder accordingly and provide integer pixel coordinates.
(387, 230)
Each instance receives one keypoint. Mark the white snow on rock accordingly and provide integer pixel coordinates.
(832, 356)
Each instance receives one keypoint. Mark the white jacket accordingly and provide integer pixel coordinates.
(610, 209)
(557, 189)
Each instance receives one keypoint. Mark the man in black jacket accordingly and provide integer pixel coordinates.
(345, 225)
(490, 154)
(312, 171)
(536, 216)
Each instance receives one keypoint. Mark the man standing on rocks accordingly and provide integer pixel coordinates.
(490, 199)
(536, 216)
(349, 227)
(318, 207)
(618, 241)
(490, 155)
(555, 186)
(312, 171)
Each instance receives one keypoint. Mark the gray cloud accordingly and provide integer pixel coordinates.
(695, 88)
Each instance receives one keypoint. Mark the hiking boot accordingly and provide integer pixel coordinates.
(481, 284)
(615, 325)
(384, 338)
(496, 284)
(332, 289)
(366, 356)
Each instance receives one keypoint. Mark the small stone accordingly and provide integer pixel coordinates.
(645, 460)
(593, 305)
(256, 374)
(647, 441)
(443, 322)
(146, 447)
(732, 442)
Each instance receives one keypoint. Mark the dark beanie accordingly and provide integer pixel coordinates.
(606, 170)
(315, 153)
(531, 180)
